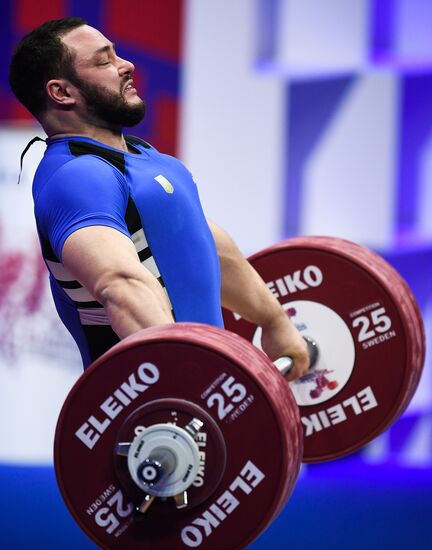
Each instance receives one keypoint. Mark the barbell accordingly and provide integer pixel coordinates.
(187, 436)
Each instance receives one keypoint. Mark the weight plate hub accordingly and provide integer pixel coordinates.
(209, 441)
(175, 374)
(369, 331)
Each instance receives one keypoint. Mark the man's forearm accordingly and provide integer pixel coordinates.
(132, 305)
(243, 290)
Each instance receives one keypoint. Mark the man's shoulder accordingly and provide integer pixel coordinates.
(59, 171)
(50, 167)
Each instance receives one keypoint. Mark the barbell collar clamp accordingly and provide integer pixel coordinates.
(193, 427)
(122, 449)
(145, 504)
(181, 500)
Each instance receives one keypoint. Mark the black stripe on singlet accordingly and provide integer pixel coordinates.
(133, 140)
(133, 222)
(132, 217)
(144, 254)
(47, 251)
(70, 285)
(100, 338)
(116, 158)
(88, 305)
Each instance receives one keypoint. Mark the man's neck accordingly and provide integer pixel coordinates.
(65, 125)
(108, 137)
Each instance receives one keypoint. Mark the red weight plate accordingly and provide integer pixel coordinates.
(184, 369)
(369, 331)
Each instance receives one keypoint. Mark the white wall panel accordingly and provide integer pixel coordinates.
(349, 186)
(316, 36)
(232, 122)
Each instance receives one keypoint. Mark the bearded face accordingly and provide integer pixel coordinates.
(110, 107)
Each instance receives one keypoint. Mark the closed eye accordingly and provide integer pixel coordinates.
(108, 50)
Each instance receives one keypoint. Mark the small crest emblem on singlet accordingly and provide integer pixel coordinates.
(167, 185)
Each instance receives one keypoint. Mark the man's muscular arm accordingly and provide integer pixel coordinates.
(244, 292)
(105, 262)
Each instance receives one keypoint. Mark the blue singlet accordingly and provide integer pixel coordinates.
(148, 196)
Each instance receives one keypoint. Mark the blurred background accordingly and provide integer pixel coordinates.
(296, 117)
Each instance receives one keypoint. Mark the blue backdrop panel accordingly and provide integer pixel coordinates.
(337, 506)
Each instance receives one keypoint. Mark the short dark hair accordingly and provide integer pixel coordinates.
(39, 57)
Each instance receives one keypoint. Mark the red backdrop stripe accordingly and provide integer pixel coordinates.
(31, 13)
(154, 26)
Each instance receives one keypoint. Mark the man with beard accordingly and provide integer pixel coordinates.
(121, 226)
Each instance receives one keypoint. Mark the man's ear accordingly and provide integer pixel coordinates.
(61, 92)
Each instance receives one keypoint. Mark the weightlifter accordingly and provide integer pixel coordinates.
(120, 224)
